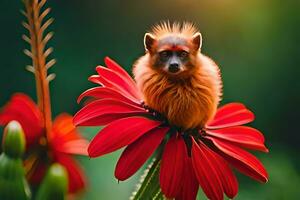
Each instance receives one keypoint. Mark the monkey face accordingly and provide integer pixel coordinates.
(172, 54)
(172, 61)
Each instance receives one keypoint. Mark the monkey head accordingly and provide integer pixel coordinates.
(172, 52)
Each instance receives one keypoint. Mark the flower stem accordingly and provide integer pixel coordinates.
(38, 55)
(149, 187)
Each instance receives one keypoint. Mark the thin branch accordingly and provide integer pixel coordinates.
(47, 37)
(48, 52)
(30, 68)
(44, 14)
(26, 25)
(28, 53)
(46, 24)
(50, 77)
(23, 13)
(50, 63)
(41, 4)
(26, 39)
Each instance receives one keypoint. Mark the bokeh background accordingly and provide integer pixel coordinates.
(256, 44)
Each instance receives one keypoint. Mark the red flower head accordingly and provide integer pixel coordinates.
(63, 141)
(197, 157)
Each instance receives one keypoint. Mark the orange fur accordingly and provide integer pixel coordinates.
(188, 100)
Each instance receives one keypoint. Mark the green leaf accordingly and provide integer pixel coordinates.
(149, 187)
(54, 185)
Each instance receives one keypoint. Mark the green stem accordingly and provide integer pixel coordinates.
(150, 188)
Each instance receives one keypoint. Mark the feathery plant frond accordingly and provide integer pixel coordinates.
(36, 24)
(36, 28)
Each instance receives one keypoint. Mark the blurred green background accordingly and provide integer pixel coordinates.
(256, 44)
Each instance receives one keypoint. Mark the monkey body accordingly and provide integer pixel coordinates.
(185, 89)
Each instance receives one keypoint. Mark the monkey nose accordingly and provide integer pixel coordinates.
(173, 67)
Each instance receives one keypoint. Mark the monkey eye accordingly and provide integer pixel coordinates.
(164, 55)
(183, 54)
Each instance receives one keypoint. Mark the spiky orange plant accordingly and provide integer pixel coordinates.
(38, 53)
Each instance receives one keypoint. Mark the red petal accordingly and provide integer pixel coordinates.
(229, 108)
(190, 183)
(63, 127)
(120, 71)
(65, 138)
(99, 112)
(104, 92)
(232, 114)
(206, 172)
(22, 109)
(172, 166)
(75, 174)
(118, 81)
(136, 154)
(241, 159)
(225, 174)
(74, 147)
(107, 118)
(113, 85)
(98, 80)
(241, 135)
(119, 134)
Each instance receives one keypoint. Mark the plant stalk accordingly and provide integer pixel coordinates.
(39, 61)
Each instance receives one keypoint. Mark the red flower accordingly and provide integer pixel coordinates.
(199, 157)
(63, 141)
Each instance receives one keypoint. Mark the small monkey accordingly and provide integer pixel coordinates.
(175, 78)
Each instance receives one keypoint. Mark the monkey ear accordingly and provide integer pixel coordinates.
(197, 40)
(149, 39)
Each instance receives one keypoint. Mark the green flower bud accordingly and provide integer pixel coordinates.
(14, 140)
(13, 185)
(54, 185)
